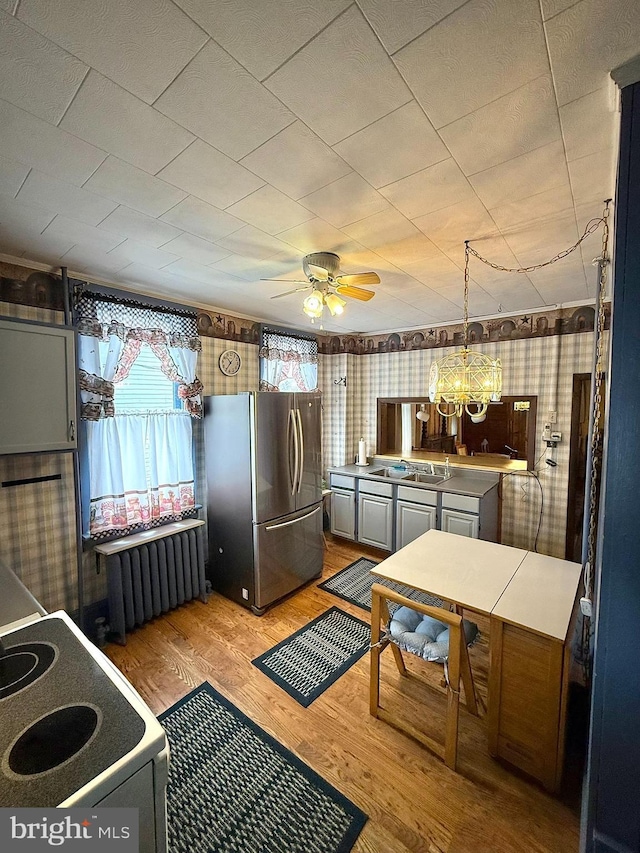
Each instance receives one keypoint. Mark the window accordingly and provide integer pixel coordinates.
(288, 362)
(146, 388)
(139, 393)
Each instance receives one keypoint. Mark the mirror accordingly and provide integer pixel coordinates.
(410, 425)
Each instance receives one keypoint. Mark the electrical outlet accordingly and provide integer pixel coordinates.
(546, 432)
(245, 594)
(553, 416)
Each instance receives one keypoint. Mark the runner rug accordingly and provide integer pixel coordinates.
(309, 661)
(232, 787)
(354, 584)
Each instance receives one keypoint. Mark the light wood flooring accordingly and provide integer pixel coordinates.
(414, 802)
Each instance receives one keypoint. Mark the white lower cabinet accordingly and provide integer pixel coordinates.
(462, 523)
(343, 513)
(412, 520)
(375, 521)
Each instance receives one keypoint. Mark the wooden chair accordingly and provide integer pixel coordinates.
(458, 668)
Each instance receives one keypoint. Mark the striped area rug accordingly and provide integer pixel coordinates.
(309, 661)
(354, 583)
(232, 787)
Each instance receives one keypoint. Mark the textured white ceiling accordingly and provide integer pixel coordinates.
(192, 148)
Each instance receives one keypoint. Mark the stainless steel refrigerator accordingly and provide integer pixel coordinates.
(264, 494)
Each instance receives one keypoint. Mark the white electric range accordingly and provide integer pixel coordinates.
(73, 731)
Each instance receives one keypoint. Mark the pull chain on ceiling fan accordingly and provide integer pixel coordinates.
(328, 285)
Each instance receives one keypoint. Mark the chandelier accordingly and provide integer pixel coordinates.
(465, 378)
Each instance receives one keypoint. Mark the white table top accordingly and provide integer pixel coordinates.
(465, 571)
(541, 595)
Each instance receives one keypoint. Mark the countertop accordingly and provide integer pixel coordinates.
(16, 603)
(462, 482)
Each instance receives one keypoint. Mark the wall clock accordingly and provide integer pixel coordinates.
(230, 362)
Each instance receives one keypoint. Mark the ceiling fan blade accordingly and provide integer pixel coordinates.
(286, 280)
(355, 292)
(359, 278)
(287, 292)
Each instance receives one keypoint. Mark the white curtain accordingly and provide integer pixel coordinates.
(141, 468)
(288, 363)
(98, 360)
(185, 360)
(170, 439)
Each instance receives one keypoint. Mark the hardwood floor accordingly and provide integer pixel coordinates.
(414, 802)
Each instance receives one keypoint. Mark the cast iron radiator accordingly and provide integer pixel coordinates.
(152, 572)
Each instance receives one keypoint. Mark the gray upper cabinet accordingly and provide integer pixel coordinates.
(37, 387)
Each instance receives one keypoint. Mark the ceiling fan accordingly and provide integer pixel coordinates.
(328, 284)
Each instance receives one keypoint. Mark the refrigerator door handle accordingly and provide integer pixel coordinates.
(295, 520)
(301, 432)
(296, 452)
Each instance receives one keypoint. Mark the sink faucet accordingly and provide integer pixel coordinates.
(446, 467)
(408, 465)
(433, 470)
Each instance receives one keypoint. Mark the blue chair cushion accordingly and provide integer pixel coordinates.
(424, 636)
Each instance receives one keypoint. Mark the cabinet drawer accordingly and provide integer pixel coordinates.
(373, 487)
(462, 502)
(340, 481)
(417, 496)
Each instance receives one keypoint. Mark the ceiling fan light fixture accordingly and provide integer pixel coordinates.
(313, 304)
(334, 303)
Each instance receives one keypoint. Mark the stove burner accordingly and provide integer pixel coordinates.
(53, 740)
(21, 665)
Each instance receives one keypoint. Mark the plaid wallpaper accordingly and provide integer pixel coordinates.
(38, 539)
(533, 366)
(38, 524)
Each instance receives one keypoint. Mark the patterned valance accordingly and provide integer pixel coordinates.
(279, 347)
(100, 316)
(288, 362)
(125, 325)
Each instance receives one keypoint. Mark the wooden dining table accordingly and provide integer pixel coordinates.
(531, 602)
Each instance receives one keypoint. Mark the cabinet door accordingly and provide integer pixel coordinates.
(343, 513)
(412, 520)
(375, 521)
(37, 387)
(461, 523)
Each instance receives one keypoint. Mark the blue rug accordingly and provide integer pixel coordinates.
(309, 661)
(234, 789)
(354, 583)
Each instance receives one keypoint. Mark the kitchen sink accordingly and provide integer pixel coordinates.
(393, 473)
(423, 477)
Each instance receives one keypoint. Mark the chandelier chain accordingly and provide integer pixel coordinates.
(465, 327)
(590, 227)
(596, 432)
